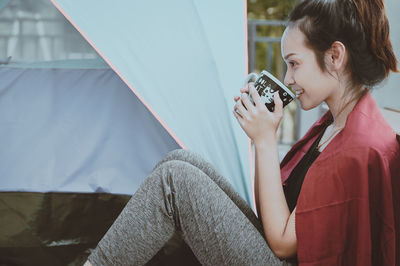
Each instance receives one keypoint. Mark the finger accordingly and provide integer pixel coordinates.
(238, 118)
(241, 109)
(246, 101)
(236, 98)
(278, 103)
(235, 110)
(256, 97)
(237, 113)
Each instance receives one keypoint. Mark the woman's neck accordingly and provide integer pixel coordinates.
(341, 107)
(340, 114)
(339, 121)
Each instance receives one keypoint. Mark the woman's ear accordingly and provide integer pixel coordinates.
(336, 56)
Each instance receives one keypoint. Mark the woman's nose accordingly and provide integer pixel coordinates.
(289, 80)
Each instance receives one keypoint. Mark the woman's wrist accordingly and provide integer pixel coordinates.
(265, 141)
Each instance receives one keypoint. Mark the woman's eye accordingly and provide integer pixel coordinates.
(292, 64)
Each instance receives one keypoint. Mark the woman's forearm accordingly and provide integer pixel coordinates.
(256, 198)
(257, 201)
(272, 206)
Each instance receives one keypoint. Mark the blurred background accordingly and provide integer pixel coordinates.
(35, 31)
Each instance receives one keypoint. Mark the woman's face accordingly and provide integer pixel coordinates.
(312, 85)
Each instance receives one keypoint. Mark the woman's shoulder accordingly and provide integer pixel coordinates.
(372, 137)
(368, 132)
(364, 151)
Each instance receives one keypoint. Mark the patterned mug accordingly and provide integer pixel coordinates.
(266, 84)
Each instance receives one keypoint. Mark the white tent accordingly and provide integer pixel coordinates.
(79, 136)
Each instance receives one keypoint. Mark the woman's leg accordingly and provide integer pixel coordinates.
(198, 161)
(180, 196)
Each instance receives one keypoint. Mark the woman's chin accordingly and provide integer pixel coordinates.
(302, 104)
(306, 106)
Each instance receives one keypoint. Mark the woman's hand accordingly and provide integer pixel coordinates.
(255, 119)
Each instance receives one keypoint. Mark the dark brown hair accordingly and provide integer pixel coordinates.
(361, 25)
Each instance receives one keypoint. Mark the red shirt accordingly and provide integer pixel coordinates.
(348, 210)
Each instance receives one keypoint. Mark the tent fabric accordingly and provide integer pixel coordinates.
(75, 130)
(74, 145)
(185, 60)
(75, 142)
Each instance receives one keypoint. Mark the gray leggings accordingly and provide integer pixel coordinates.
(184, 192)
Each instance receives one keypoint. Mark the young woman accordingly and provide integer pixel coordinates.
(335, 199)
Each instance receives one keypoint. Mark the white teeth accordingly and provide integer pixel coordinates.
(298, 93)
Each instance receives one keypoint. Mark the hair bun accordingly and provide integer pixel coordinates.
(373, 18)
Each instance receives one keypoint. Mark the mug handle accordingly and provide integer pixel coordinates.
(251, 77)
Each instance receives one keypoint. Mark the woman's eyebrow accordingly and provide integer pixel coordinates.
(288, 55)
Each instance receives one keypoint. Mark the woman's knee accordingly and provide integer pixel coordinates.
(173, 166)
(177, 154)
(178, 170)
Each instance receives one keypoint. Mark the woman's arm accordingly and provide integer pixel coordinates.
(278, 222)
(256, 197)
(261, 125)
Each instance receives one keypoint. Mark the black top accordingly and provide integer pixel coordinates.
(296, 177)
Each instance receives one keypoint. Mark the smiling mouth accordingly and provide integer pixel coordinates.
(299, 92)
